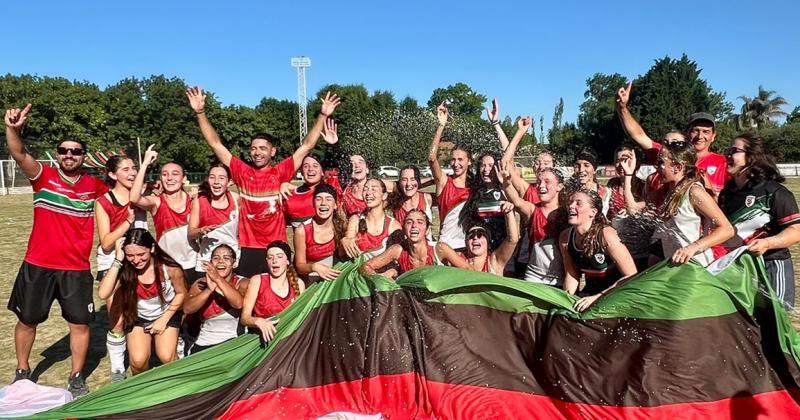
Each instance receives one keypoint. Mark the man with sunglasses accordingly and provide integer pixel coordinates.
(56, 265)
(700, 130)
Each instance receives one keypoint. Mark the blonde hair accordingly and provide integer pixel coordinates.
(680, 152)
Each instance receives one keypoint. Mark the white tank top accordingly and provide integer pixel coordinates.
(218, 329)
(151, 309)
(545, 265)
(683, 229)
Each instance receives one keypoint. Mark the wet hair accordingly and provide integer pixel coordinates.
(761, 164)
(682, 152)
(125, 296)
(272, 140)
(588, 155)
(593, 242)
(112, 165)
(172, 162)
(396, 197)
(204, 190)
(563, 195)
(324, 188)
(83, 144)
(225, 247)
(676, 131)
(362, 222)
(425, 215)
(339, 222)
(291, 274)
(479, 225)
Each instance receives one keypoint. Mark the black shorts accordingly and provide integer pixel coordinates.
(174, 322)
(36, 288)
(253, 261)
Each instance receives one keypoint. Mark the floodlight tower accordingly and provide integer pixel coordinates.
(301, 63)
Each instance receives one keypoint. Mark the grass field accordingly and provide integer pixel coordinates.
(50, 355)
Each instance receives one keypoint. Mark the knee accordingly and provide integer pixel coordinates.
(138, 360)
(26, 327)
(166, 355)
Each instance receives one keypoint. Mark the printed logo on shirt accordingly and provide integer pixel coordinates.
(711, 170)
(90, 307)
(496, 195)
(749, 201)
(600, 258)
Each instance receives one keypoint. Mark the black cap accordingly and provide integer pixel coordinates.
(700, 116)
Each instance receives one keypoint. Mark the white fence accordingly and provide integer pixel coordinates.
(13, 181)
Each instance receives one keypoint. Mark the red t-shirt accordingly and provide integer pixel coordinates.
(713, 167)
(262, 219)
(300, 207)
(450, 197)
(63, 220)
(352, 204)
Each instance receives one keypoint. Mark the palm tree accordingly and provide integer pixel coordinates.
(758, 112)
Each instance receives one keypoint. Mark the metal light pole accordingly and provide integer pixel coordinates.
(301, 63)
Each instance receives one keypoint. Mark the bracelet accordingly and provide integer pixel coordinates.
(628, 174)
(324, 114)
(200, 112)
(117, 263)
(495, 122)
(130, 222)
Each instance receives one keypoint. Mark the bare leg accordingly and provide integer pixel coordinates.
(166, 344)
(138, 350)
(24, 335)
(78, 345)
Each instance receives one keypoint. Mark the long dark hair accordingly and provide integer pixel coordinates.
(125, 296)
(761, 164)
(204, 190)
(112, 164)
(593, 242)
(477, 187)
(396, 197)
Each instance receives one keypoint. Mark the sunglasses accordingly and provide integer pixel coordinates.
(476, 234)
(734, 150)
(64, 150)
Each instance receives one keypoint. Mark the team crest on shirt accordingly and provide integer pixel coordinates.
(600, 258)
(711, 170)
(749, 201)
(496, 195)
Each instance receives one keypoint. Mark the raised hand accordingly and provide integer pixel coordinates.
(329, 104)
(118, 252)
(441, 113)
(287, 189)
(329, 131)
(16, 118)
(524, 123)
(197, 99)
(503, 171)
(628, 166)
(494, 113)
(506, 207)
(623, 95)
(150, 156)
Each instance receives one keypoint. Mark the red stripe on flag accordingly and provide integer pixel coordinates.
(409, 395)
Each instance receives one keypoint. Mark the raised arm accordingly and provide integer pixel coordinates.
(199, 294)
(505, 251)
(525, 208)
(197, 100)
(439, 177)
(722, 230)
(629, 123)
(15, 120)
(447, 254)
(137, 197)
(508, 156)
(631, 204)
(494, 118)
(329, 104)
(229, 292)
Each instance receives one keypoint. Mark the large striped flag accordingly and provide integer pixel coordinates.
(674, 342)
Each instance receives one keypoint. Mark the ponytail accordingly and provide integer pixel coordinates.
(292, 276)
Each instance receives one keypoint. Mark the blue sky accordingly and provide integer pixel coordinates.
(524, 53)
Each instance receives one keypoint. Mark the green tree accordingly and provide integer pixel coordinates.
(794, 116)
(462, 100)
(759, 111)
(598, 118)
(672, 90)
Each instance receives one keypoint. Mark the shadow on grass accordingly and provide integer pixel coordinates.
(59, 351)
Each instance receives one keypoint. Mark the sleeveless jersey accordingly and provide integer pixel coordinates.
(172, 232)
(404, 260)
(317, 252)
(487, 268)
(117, 213)
(682, 229)
(352, 204)
(226, 233)
(425, 203)
(217, 304)
(268, 303)
(300, 207)
(599, 270)
(544, 262)
(451, 201)
(149, 306)
(373, 245)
